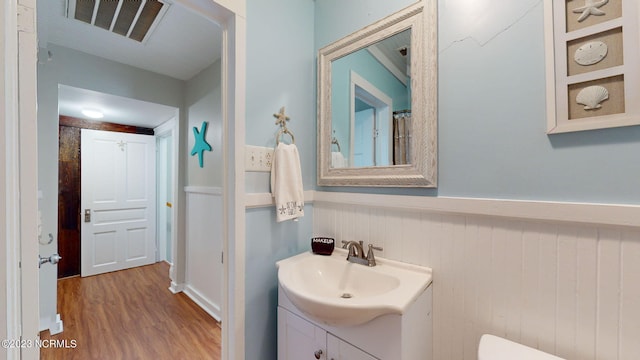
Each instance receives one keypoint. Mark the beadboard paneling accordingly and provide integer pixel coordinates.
(204, 248)
(566, 287)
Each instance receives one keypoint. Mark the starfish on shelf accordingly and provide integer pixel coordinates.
(591, 7)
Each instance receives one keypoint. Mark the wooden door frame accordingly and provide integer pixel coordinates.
(104, 126)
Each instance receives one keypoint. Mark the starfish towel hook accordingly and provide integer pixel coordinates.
(281, 118)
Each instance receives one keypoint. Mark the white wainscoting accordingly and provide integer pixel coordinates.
(564, 278)
(204, 234)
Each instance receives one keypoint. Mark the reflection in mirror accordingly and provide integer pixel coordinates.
(370, 123)
(401, 137)
(367, 86)
(377, 103)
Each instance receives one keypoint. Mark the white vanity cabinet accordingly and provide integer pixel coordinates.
(388, 337)
(300, 339)
(341, 350)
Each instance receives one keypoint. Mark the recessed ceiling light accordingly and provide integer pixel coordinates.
(92, 113)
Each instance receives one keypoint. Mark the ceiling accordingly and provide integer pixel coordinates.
(181, 45)
(394, 54)
(116, 109)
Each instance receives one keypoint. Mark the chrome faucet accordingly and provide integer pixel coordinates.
(356, 253)
(354, 248)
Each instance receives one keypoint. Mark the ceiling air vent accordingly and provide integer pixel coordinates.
(134, 19)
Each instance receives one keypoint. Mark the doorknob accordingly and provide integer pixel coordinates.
(87, 215)
(53, 259)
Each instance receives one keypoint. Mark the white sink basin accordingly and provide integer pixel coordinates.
(336, 292)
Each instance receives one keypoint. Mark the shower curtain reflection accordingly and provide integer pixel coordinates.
(402, 137)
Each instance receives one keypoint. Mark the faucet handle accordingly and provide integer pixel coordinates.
(371, 259)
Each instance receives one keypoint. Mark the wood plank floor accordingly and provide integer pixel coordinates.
(131, 314)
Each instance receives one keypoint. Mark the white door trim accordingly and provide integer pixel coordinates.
(10, 181)
(27, 90)
(177, 269)
(171, 128)
(233, 245)
(23, 178)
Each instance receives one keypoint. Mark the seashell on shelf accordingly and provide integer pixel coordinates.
(592, 96)
(590, 53)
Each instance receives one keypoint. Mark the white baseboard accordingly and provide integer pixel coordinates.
(206, 305)
(57, 327)
(176, 288)
(54, 326)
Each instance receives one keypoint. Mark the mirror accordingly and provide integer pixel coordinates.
(367, 87)
(377, 101)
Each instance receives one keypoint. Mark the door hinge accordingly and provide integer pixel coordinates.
(222, 257)
(26, 19)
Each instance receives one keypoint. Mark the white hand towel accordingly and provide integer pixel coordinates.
(286, 182)
(338, 160)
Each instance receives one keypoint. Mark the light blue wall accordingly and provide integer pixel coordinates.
(267, 243)
(203, 102)
(492, 119)
(335, 19)
(280, 72)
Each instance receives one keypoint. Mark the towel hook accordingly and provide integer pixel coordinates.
(281, 119)
(334, 140)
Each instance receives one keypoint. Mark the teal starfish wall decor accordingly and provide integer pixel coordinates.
(201, 144)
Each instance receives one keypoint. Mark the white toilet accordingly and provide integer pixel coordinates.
(497, 348)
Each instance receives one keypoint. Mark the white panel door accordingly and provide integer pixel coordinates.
(118, 201)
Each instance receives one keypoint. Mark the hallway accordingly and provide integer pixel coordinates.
(130, 314)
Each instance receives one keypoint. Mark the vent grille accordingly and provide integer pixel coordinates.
(134, 19)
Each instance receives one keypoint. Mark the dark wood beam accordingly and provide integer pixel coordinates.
(105, 126)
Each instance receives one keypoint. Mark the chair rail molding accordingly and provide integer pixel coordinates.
(259, 200)
(576, 212)
(590, 213)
